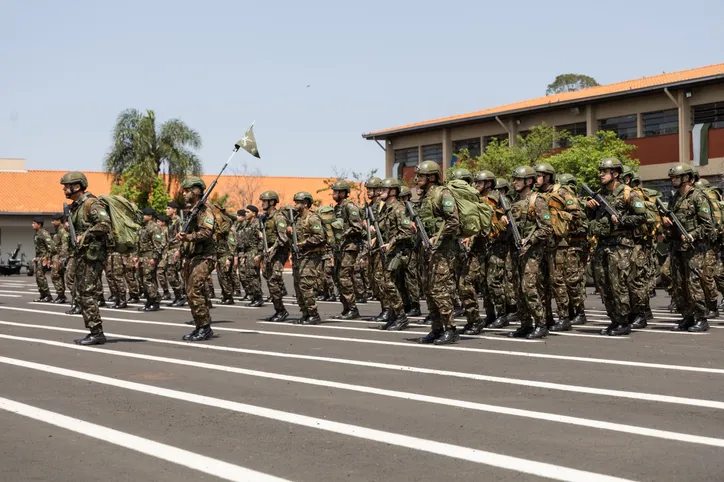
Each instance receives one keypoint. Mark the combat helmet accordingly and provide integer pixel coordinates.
(546, 168)
(269, 196)
(341, 185)
(523, 172)
(405, 192)
(610, 163)
(373, 183)
(626, 171)
(193, 181)
(428, 167)
(484, 176)
(501, 183)
(391, 182)
(567, 179)
(75, 177)
(303, 196)
(681, 170)
(702, 184)
(462, 174)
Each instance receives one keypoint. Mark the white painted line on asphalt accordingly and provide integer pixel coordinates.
(523, 465)
(410, 369)
(147, 447)
(9, 296)
(448, 402)
(20, 292)
(603, 361)
(373, 330)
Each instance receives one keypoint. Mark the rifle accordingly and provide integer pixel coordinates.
(265, 244)
(378, 234)
(71, 228)
(249, 144)
(601, 200)
(670, 214)
(295, 246)
(418, 223)
(369, 236)
(517, 238)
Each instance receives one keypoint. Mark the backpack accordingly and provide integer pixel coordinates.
(653, 226)
(126, 221)
(222, 222)
(328, 217)
(476, 217)
(560, 218)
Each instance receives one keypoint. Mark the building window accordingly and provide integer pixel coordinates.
(577, 129)
(500, 138)
(405, 158)
(472, 145)
(432, 152)
(660, 122)
(713, 113)
(624, 126)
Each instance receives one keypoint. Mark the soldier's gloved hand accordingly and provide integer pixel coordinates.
(228, 263)
(667, 222)
(152, 262)
(592, 203)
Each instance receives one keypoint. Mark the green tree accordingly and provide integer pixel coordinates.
(570, 83)
(582, 157)
(141, 151)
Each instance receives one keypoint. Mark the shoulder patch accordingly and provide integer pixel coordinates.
(638, 204)
(448, 202)
(209, 220)
(569, 202)
(705, 209)
(282, 224)
(158, 235)
(353, 212)
(547, 217)
(406, 222)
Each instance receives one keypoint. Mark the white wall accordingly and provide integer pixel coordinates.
(18, 229)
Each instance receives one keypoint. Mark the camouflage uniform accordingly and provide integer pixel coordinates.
(494, 263)
(151, 244)
(688, 260)
(43, 248)
(70, 281)
(375, 271)
(225, 248)
(92, 223)
(61, 247)
(350, 225)
(163, 265)
(311, 240)
(250, 247)
(172, 266)
(129, 273)
(275, 226)
(199, 253)
(397, 233)
(116, 281)
(615, 252)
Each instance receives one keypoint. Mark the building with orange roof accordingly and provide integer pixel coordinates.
(670, 118)
(31, 193)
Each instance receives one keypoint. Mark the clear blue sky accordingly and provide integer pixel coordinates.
(68, 68)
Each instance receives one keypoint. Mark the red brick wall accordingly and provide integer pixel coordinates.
(656, 149)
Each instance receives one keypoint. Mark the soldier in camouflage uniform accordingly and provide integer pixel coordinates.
(350, 225)
(510, 281)
(225, 250)
(396, 231)
(162, 221)
(239, 268)
(174, 254)
(129, 273)
(251, 251)
(439, 215)
(615, 247)
(275, 227)
(116, 281)
(688, 250)
(563, 261)
(410, 284)
(198, 253)
(710, 281)
(375, 272)
(311, 241)
(43, 246)
(92, 227)
(59, 256)
(531, 215)
(151, 245)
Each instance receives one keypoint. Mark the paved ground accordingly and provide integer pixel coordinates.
(341, 401)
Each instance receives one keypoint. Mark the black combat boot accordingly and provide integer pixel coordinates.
(227, 301)
(102, 302)
(701, 325)
(620, 330)
(427, 320)
(144, 307)
(540, 331)
(474, 326)
(188, 336)
(60, 300)
(648, 314)
(352, 314)
(389, 322)
(501, 321)
(521, 332)
(400, 322)
(386, 315)
(120, 303)
(639, 322)
(74, 309)
(322, 297)
(312, 319)
(331, 297)
(95, 337)
(512, 314)
(257, 303)
(612, 326)
(166, 295)
(563, 324)
(44, 298)
(133, 298)
(280, 316)
(580, 318)
(180, 301)
(414, 310)
(430, 337)
(361, 299)
(457, 312)
(684, 324)
(154, 306)
(450, 335)
(203, 333)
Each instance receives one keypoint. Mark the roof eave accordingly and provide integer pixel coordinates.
(406, 130)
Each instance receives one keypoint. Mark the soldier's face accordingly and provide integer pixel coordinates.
(338, 196)
(56, 223)
(518, 183)
(421, 181)
(298, 206)
(147, 218)
(170, 211)
(540, 179)
(249, 215)
(36, 226)
(676, 181)
(605, 176)
(189, 196)
(384, 193)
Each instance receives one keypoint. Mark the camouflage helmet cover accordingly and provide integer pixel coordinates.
(390, 182)
(193, 181)
(75, 177)
(680, 170)
(501, 183)
(610, 163)
(303, 196)
(484, 176)
(373, 183)
(341, 185)
(269, 196)
(461, 173)
(523, 172)
(546, 168)
(428, 167)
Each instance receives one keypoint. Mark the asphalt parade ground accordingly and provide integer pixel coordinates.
(344, 401)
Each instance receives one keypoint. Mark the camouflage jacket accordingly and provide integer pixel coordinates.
(533, 220)
(694, 212)
(61, 243)
(353, 229)
(43, 243)
(395, 226)
(440, 216)
(572, 206)
(633, 214)
(92, 225)
(172, 229)
(311, 237)
(151, 241)
(275, 227)
(200, 240)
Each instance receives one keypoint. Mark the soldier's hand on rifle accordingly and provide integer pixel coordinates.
(667, 222)
(78, 240)
(385, 246)
(152, 262)
(614, 219)
(176, 255)
(505, 219)
(257, 260)
(289, 230)
(592, 203)
(432, 240)
(413, 228)
(181, 236)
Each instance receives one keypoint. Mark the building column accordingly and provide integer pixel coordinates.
(389, 158)
(591, 122)
(639, 125)
(684, 126)
(447, 150)
(512, 132)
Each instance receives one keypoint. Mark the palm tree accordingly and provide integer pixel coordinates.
(142, 151)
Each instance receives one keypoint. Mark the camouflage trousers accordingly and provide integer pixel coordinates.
(225, 272)
(640, 281)
(719, 272)
(390, 289)
(250, 277)
(612, 271)
(148, 279)
(511, 281)
(376, 276)
(568, 278)
(134, 288)
(439, 287)
(115, 277)
(467, 283)
(325, 284)
(709, 278)
(273, 272)
(57, 275)
(70, 277)
(531, 268)
(495, 278)
(362, 284)
(345, 279)
(306, 274)
(196, 272)
(87, 279)
(40, 278)
(210, 291)
(687, 273)
(161, 275)
(410, 283)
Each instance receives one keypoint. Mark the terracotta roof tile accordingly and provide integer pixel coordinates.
(40, 191)
(590, 93)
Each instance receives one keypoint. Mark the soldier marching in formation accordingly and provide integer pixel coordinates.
(537, 242)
